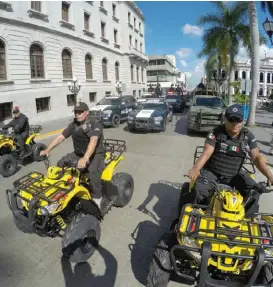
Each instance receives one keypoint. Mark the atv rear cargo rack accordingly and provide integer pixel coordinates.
(26, 184)
(115, 147)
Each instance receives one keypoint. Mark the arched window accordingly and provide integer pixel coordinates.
(223, 74)
(244, 75)
(261, 77)
(104, 69)
(67, 64)
(268, 78)
(132, 73)
(137, 74)
(36, 61)
(260, 91)
(88, 67)
(142, 75)
(117, 71)
(236, 76)
(3, 71)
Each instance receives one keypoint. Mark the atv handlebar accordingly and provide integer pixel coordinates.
(261, 187)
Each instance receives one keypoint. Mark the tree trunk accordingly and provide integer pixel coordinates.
(255, 61)
(231, 58)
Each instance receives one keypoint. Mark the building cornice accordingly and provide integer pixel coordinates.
(21, 23)
(135, 8)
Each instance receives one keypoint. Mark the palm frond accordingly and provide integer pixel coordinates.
(211, 19)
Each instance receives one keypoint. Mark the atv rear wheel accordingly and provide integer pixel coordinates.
(125, 185)
(36, 149)
(160, 267)
(8, 165)
(267, 274)
(81, 238)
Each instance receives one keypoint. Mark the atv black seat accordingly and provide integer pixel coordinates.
(247, 166)
(35, 129)
(115, 147)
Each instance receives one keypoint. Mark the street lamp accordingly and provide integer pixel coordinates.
(74, 87)
(268, 27)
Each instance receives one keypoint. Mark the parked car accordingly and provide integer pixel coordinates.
(206, 113)
(154, 114)
(177, 102)
(112, 110)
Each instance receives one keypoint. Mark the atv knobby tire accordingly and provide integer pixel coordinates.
(81, 238)
(8, 165)
(36, 149)
(125, 185)
(267, 274)
(160, 267)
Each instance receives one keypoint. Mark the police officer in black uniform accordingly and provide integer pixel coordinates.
(224, 153)
(20, 125)
(87, 137)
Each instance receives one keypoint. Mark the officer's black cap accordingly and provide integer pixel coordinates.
(234, 111)
(81, 106)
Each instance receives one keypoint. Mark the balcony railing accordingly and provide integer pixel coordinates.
(135, 53)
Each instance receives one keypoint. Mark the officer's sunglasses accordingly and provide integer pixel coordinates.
(78, 112)
(235, 120)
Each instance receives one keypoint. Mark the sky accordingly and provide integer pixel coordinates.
(171, 28)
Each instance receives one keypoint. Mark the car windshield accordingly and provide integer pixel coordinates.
(204, 93)
(209, 102)
(151, 106)
(174, 97)
(109, 101)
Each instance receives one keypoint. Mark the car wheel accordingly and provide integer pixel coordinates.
(115, 120)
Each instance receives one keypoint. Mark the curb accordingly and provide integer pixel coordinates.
(42, 136)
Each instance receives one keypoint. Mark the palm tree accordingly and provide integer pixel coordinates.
(228, 27)
(255, 61)
(267, 6)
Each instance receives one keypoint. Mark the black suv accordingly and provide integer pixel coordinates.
(177, 102)
(112, 110)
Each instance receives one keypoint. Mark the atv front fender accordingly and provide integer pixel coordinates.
(31, 137)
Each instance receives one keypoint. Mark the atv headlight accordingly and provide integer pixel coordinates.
(50, 208)
(191, 243)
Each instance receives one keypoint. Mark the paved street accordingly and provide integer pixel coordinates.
(157, 162)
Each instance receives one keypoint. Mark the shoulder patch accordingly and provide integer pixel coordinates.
(211, 136)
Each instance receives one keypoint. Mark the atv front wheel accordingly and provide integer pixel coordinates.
(8, 165)
(125, 185)
(160, 267)
(81, 238)
(267, 274)
(36, 149)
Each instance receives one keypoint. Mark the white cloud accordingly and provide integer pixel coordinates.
(183, 63)
(199, 67)
(264, 51)
(189, 29)
(184, 52)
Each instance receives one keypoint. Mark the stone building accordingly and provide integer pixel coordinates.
(45, 44)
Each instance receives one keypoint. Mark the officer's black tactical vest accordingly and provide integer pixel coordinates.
(81, 140)
(229, 154)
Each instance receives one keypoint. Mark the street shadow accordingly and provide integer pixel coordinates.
(147, 233)
(83, 276)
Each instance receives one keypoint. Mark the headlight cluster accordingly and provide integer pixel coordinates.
(107, 113)
(50, 208)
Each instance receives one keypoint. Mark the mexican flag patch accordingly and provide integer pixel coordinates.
(234, 148)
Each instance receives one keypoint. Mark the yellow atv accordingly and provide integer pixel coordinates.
(60, 203)
(216, 245)
(9, 150)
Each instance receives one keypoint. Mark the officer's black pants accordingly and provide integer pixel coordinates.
(241, 181)
(95, 169)
(21, 140)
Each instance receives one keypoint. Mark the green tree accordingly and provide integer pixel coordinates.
(228, 26)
